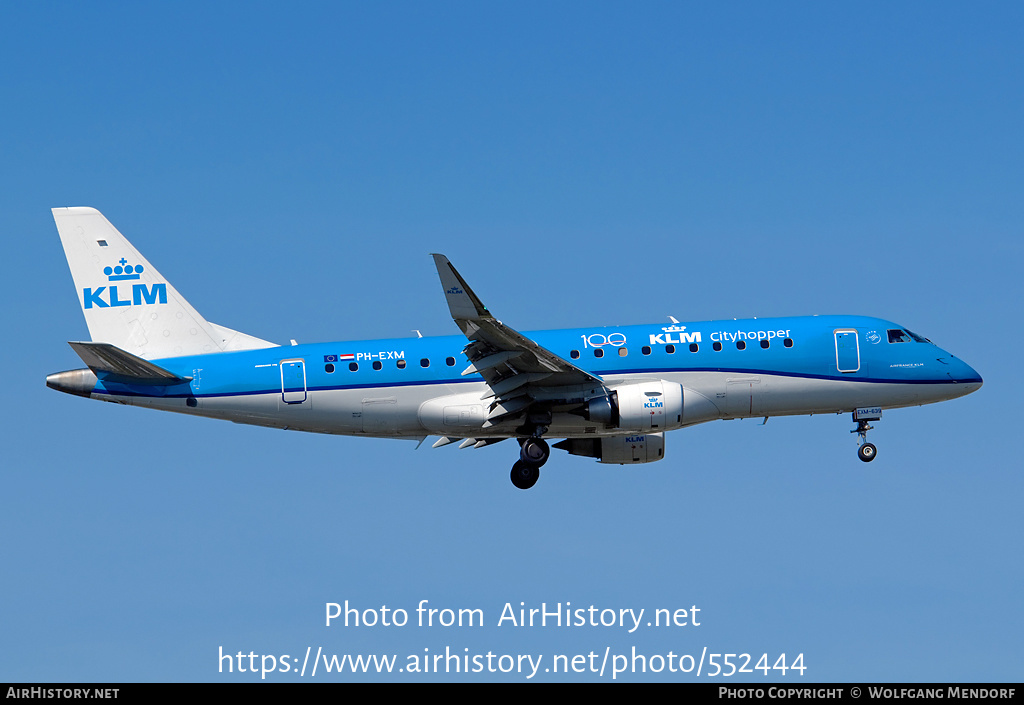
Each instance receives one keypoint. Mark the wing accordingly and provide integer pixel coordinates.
(520, 373)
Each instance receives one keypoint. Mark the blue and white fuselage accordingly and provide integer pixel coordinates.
(307, 387)
(611, 392)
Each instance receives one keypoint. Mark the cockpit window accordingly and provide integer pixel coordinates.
(902, 335)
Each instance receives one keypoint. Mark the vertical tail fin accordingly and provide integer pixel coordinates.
(127, 302)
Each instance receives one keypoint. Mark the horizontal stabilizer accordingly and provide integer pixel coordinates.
(112, 363)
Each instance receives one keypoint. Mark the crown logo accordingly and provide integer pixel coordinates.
(123, 271)
(674, 329)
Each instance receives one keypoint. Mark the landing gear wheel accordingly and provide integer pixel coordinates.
(525, 475)
(867, 452)
(535, 451)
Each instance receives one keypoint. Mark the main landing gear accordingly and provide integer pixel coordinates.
(533, 453)
(866, 451)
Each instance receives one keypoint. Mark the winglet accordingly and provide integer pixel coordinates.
(462, 302)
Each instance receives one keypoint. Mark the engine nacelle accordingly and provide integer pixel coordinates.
(643, 407)
(621, 450)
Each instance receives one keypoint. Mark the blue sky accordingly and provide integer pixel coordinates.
(290, 168)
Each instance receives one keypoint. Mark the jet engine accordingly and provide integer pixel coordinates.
(642, 407)
(623, 450)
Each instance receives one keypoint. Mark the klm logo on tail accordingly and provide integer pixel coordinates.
(107, 296)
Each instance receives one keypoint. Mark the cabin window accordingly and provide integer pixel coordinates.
(574, 354)
(646, 350)
(623, 352)
(377, 364)
(741, 345)
(694, 347)
(764, 344)
(788, 342)
(424, 362)
(670, 349)
(328, 368)
(598, 352)
(450, 361)
(716, 346)
(401, 364)
(353, 366)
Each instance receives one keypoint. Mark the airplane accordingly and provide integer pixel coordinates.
(609, 393)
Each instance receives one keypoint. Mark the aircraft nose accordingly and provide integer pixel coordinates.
(965, 374)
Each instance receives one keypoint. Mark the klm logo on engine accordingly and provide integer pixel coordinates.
(110, 297)
(654, 403)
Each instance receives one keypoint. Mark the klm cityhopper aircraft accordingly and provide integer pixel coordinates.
(610, 393)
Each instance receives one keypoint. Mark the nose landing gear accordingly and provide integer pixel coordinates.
(866, 451)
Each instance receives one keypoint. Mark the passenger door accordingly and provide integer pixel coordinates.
(293, 381)
(847, 350)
